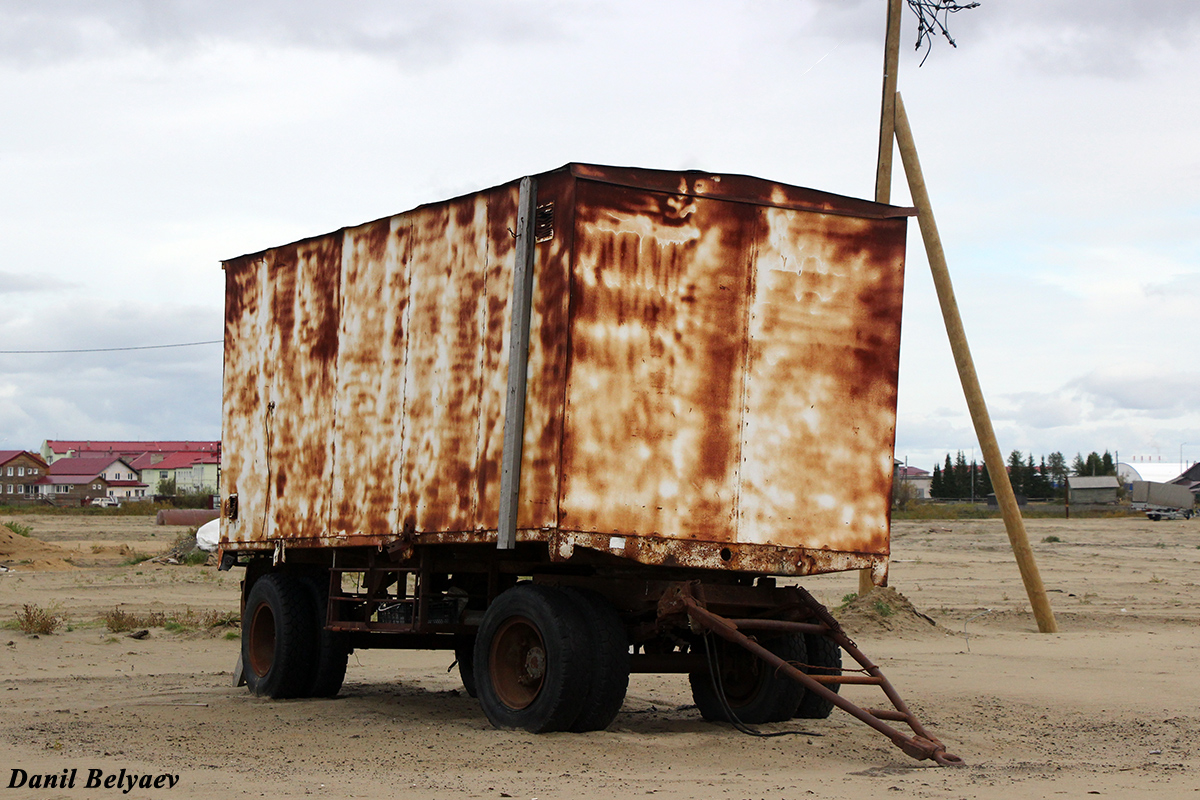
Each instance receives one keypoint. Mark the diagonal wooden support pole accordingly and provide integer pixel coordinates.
(992, 457)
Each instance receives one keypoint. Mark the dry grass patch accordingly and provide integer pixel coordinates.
(42, 621)
(118, 621)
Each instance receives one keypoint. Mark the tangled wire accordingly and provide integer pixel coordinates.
(932, 16)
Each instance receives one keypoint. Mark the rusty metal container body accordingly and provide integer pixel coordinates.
(712, 375)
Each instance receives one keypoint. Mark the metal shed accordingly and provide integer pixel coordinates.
(1084, 489)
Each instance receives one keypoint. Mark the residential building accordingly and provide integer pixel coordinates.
(20, 471)
(191, 472)
(54, 449)
(1191, 479)
(193, 466)
(920, 480)
(78, 481)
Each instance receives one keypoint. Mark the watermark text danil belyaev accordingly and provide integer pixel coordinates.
(122, 781)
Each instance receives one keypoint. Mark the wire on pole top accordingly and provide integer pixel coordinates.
(932, 18)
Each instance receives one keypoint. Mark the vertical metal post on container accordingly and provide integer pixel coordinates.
(518, 368)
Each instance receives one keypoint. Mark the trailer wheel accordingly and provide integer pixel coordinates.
(333, 650)
(278, 637)
(532, 660)
(464, 654)
(610, 659)
(753, 691)
(825, 656)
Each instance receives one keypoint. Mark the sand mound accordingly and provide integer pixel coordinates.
(26, 553)
(884, 610)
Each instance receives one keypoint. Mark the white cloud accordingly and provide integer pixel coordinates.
(1137, 387)
(413, 34)
(1183, 287)
(15, 283)
(121, 394)
(1039, 409)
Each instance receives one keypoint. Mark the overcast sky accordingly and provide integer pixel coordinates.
(143, 142)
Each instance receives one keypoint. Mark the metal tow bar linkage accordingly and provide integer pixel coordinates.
(920, 745)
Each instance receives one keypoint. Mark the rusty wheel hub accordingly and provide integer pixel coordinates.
(262, 640)
(518, 662)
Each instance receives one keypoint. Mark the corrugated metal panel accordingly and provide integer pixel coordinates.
(304, 280)
(549, 345)
(820, 407)
(447, 291)
(657, 364)
(733, 372)
(249, 366)
(372, 351)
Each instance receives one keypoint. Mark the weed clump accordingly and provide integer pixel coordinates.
(185, 551)
(19, 528)
(118, 621)
(136, 557)
(42, 621)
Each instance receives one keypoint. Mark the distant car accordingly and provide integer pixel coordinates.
(1169, 513)
(106, 502)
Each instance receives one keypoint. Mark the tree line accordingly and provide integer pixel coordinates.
(1044, 479)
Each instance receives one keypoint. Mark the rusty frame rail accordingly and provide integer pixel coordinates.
(920, 745)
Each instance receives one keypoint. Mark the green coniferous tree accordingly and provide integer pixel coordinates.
(1016, 472)
(1034, 482)
(937, 488)
(1079, 465)
(962, 476)
(1058, 473)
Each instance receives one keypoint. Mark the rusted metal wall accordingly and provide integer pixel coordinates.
(712, 369)
(733, 370)
(365, 376)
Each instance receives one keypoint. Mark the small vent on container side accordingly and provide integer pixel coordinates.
(543, 223)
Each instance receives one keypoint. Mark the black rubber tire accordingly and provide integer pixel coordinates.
(533, 660)
(754, 692)
(279, 640)
(610, 659)
(464, 654)
(332, 648)
(825, 656)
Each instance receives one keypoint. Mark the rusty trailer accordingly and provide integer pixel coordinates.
(514, 423)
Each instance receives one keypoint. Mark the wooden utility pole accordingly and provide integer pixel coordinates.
(887, 114)
(883, 164)
(992, 456)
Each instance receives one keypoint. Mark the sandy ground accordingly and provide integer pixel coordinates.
(1109, 706)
